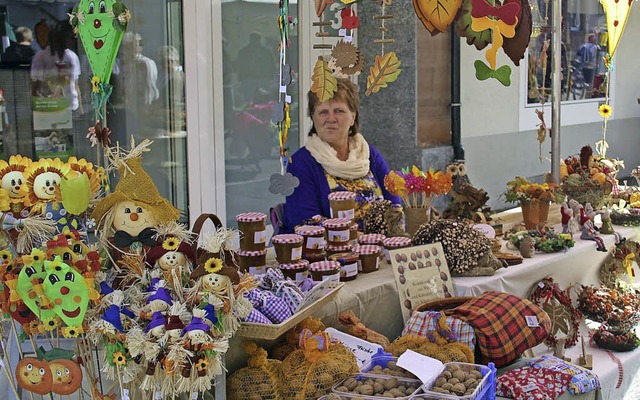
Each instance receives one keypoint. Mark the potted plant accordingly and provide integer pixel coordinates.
(534, 199)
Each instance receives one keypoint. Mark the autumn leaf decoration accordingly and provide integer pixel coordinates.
(324, 83)
(436, 15)
(386, 69)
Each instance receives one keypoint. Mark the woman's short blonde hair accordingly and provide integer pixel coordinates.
(347, 92)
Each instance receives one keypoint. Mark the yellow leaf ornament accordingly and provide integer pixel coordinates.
(76, 194)
(617, 12)
(324, 84)
(436, 14)
(386, 69)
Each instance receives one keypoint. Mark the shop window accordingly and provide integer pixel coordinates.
(250, 74)
(47, 93)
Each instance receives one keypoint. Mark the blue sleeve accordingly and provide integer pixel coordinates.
(309, 197)
(380, 169)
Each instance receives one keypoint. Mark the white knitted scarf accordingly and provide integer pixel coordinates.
(356, 166)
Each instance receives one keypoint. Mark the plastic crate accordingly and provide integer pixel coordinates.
(486, 390)
(364, 377)
(382, 359)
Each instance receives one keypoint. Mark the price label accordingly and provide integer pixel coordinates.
(158, 395)
(194, 396)
(532, 321)
(342, 32)
(125, 394)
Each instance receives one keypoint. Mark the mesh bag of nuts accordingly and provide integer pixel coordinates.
(311, 371)
(258, 380)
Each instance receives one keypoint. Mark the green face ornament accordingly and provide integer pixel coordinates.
(30, 286)
(67, 290)
(100, 24)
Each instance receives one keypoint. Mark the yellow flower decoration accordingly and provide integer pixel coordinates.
(170, 244)
(72, 331)
(202, 364)
(605, 110)
(6, 256)
(213, 265)
(38, 255)
(95, 81)
(51, 323)
(4, 200)
(119, 359)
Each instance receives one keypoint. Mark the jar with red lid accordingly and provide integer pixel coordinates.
(369, 257)
(348, 265)
(331, 250)
(313, 240)
(392, 243)
(325, 271)
(337, 231)
(253, 230)
(254, 262)
(288, 247)
(342, 204)
(297, 270)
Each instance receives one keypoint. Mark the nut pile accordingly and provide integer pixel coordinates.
(463, 246)
(391, 369)
(457, 380)
(391, 388)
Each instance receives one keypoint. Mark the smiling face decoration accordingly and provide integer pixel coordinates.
(34, 376)
(67, 290)
(12, 176)
(132, 218)
(101, 34)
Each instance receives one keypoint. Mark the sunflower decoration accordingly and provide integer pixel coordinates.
(5, 205)
(43, 180)
(6, 256)
(213, 265)
(202, 364)
(13, 179)
(171, 244)
(72, 331)
(51, 323)
(95, 84)
(119, 359)
(605, 110)
(96, 175)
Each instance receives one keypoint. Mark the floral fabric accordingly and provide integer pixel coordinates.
(582, 380)
(528, 383)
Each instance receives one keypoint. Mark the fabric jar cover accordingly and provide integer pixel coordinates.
(505, 325)
(422, 322)
(372, 238)
(287, 238)
(291, 294)
(251, 217)
(331, 249)
(295, 265)
(367, 249)
(309, 230)
(342, 195)
(396, 242)
(324, 266)
(529, 383)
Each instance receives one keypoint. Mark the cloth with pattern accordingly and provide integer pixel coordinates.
(582, 380)
(422, 322)
(505, 326)
(529, 383)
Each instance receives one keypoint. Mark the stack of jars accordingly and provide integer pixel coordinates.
(313, 243)
(253, 235)
(288, 248)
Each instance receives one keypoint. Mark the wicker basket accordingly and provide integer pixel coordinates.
(443, 304)
(596, 195)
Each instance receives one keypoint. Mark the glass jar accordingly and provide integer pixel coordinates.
(254, 262)
(296, 271)
(348, 265)
(337, 231)
(288, 247)
(369, 257)
(313, 240)
(253, 229)
(342, 204)
(325, 271)
(392, 243)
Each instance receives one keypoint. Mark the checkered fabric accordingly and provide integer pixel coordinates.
(274, 308)
(502, 332)
(421, 322)
(257, 317)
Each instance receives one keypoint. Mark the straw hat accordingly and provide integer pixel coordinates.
(228, 268)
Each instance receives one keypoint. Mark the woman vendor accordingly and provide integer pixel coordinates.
(336, 157)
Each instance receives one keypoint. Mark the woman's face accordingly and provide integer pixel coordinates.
(332, 120)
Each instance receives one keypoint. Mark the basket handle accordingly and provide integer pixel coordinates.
(197, 227)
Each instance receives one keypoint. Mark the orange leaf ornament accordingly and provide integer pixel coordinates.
(438, 14)
(617, 12)
(386, 69)
(324, 84)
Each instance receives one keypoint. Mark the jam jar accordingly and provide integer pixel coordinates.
(288, 247)
(348, 265)
(342, 204)
(253, 228)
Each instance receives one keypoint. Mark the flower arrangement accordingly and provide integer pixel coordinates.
(418, 188)
(522, 190)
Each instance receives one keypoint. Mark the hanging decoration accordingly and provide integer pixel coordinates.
(435, 15)
(386, 68)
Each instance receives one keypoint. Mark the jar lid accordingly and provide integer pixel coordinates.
(254, 253)
(287, 238)
(371, 238)
(398, 241)
(367, 249)
(302, 263)
(310, 230)
(251, 217)
(334, 223)
(347, 257)
(339, 248)
(324, 266)
(342, 195)
(354, 226)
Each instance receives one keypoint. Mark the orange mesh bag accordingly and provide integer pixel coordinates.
(258, 380)
(310, 372)
(292, 337)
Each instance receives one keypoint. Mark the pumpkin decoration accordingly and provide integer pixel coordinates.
(67, 376)
(53, 371)
(34, 375)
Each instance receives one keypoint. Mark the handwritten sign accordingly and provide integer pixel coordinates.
(318, 292)
(421, 274)
(362, 350)
(486, 229)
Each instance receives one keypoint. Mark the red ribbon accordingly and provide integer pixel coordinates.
(508, 13)
(60, 241)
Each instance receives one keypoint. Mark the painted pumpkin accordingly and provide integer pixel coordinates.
(34, 375)
(67, 376)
